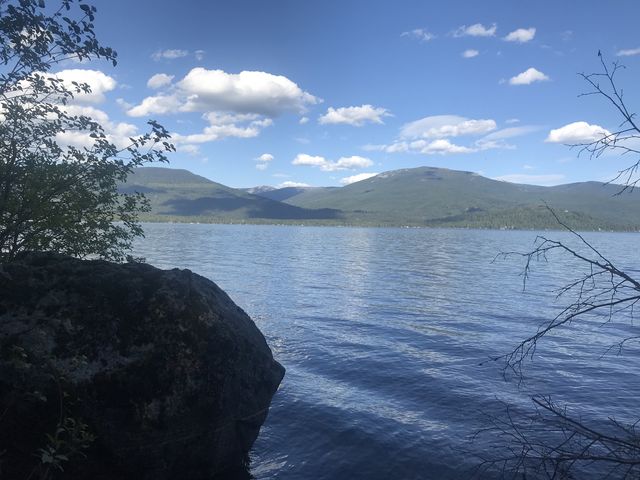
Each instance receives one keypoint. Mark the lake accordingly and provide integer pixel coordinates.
(384, 334)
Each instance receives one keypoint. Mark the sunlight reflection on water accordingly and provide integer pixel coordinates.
(382, 332)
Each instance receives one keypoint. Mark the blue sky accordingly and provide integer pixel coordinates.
(322, 93)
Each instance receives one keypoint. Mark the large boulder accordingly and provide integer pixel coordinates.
(126, 371)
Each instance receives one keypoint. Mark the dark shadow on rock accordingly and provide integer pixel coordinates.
(172, 377)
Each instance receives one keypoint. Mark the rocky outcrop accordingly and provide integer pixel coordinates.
(125, 371)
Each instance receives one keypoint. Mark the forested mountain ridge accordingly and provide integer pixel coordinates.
(423, 196)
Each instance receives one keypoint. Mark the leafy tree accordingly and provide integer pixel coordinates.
(554, 441)
(53, 196)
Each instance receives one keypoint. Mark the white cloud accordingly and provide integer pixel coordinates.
(628, 52)
(439, 126)
(349, 163)
(497, 139)
(170, 54)
(576, 133)
(305, 159)
(122, 103)
(263, 161)
(420, 34)
(343, 163)
(356, 178)
(117, 133)
(475, 30)
(356, 116)
(521, 35)
(543, 180)
(470, 53)
(199, 54)
(159, 80)
(430, 135)
(159, 104)
(203, 90)
(289, 183)
(189, 149)
(443, 147)
(303, 120)
(511, 121)
(223, 126)
(528, 167)
(98, 82)
(528, 77)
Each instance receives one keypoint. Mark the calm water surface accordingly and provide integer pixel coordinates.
(383, 331)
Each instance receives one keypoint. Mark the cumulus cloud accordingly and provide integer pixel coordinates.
(543, 180)
(439, 126)
(199, 54)
(528, 77)
(629, 52)
(521, 35)
(98, 82)
(223, 126)
(431, 136)
(470, 53)
(159, 105)
(420, 34)
(203, 90)
(119, 133)
(442, 147)
(170, 54)
(475, 30)
(343, 163)
(356, 116)
(576, 133)
(303, 120)
(356, 178)
(159, 80)
(263, 161)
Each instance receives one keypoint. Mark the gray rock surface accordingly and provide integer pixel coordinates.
(170, 376)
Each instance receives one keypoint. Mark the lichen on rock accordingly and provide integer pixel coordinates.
(170, 378)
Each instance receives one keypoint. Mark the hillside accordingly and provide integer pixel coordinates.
(422, 196)
(442, 197)
(181, 195)
(281, 194)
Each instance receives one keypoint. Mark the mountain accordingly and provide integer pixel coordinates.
(177, 194)
(259, 189)
(423, 196)
(441, 197)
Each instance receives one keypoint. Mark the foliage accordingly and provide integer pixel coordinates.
(54, 196)
(70, 439)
